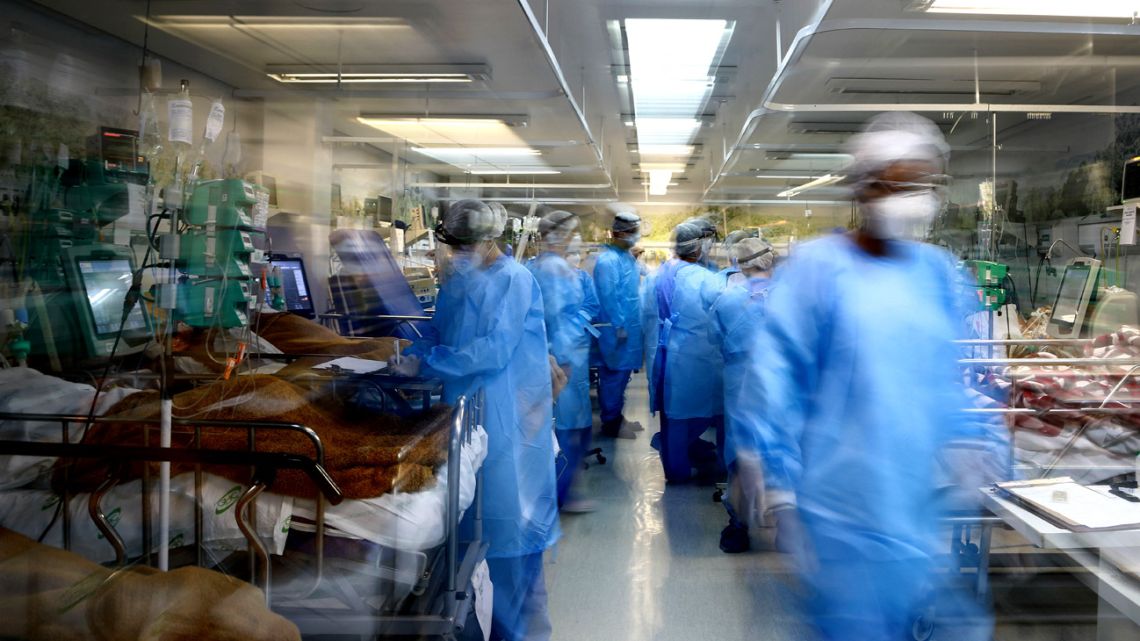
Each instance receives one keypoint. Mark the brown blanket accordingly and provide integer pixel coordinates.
(47, 594)
(366, 456)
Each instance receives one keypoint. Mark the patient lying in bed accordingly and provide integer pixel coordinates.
(366, 456)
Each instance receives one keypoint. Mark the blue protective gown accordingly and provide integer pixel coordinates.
(855, 395)
(650, 328)
(665, 283)
(564, 298)
(738, 319)
(617, 279)
(694, 383)
(488, 331)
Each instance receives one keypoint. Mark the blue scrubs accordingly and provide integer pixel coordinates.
(664, 285)
(856, 394)
(651, 329)
(617, 279)
(693, 398)
(738, 317)
(489, 332)
(570, 305)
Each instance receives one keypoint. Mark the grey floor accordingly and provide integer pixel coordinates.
(646, 565)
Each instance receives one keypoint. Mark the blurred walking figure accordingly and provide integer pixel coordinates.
(859, 391)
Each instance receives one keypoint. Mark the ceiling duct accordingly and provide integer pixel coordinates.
(930, 86)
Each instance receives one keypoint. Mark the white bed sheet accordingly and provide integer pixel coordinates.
(28, 511)
(412, 521)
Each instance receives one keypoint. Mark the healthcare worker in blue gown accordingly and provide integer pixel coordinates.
(858, 391)
(488, 332)
(738, 319)
(570, 308)
(664, 282)
(692, 394)
(617, 278)
(732, 273)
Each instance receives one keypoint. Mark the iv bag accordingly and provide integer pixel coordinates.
(231, 157)
(181, 112)
(149, 137)
(215, 121)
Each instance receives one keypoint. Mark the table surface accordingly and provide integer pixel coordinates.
(1044, 534)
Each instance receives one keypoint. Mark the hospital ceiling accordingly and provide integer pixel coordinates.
(788, 83)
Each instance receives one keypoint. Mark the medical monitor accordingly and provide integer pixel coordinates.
(1130, 187)
(294, 285)
(1078, 285)
(99, 278)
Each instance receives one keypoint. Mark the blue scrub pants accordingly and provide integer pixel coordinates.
(611, 396)
(856, 599)
(574, 444)
(679, 442)
(519, 612)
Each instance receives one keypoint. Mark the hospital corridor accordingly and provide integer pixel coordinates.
(569, 320)
(646, 564)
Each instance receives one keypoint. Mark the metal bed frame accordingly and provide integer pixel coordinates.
(448, 607)
(978, 555)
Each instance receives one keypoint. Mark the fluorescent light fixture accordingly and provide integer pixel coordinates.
(490, 152)
(1123, 9)
(515, 171)
(822, 181)
(274, 22)
(666, 150)
(670, 63)
(659, 181)
(450, 120)
(664, 166)
(480, 131)
(377, 74)
(671, 76)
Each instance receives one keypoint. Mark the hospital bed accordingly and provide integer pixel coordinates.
(424, 588)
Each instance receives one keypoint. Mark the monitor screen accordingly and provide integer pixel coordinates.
(1069, 295)
(384, 212)
(106, 282)
(1131, 187)
(294, 286)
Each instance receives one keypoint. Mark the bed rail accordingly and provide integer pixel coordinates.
(266, 466)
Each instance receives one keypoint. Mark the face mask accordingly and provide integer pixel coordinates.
(575, 260)
(462, 263)
(629, 240)
(905, 216)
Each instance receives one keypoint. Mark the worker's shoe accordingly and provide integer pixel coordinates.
(632, 425)
(616, 429)
(734, 539)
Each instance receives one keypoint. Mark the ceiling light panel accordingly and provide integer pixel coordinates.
(672, 72)
(1122, 9)
(276, 22)
(490, 160)
(332, 73)
(447, 130)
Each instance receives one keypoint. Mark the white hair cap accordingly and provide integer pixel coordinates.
(892, 137)
(753, 253)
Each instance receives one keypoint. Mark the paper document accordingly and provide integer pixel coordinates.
(353, 365)
(1075, 506)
